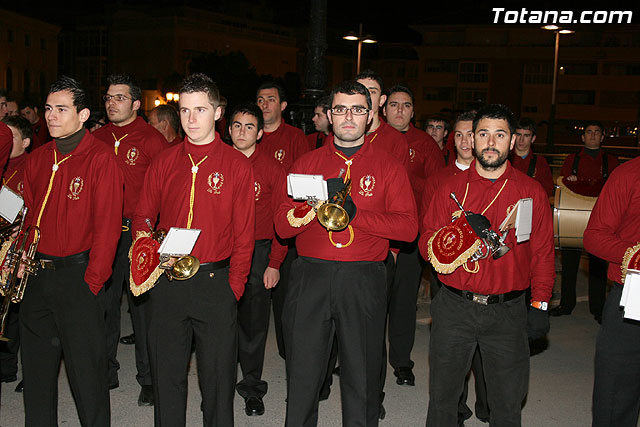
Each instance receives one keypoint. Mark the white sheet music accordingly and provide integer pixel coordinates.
(523, 219)
(10, 203)
(305, 187)
(630, 299)
(179, 241)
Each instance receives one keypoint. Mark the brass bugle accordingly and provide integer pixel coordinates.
(332, 214)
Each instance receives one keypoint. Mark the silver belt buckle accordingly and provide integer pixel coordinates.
(47, 264)
(481, 299)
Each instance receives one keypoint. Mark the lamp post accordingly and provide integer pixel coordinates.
(552, 113)
(360, 39)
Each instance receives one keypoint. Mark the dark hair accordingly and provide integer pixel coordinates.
(350, 87)
(199, 82)
(125, 79)
(593, 123)
(370, 74)
(467, 116)
(28, 102)
(223, 100)
(527, 124)
(404, 89)
(273, 85)
(437, 118)
(251, 109)
(170, 114)
(495, 111)
(20, 123)
(78, 94)
(3, 93)
(323, 103)
(95, 118)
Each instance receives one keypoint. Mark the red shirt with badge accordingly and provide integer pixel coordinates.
(40, 134)
(13, 175)
(138, 144)
(541, 173)
(391, 140)
(530, 262)
(269, 176)
(285, 144)
(614, 224)
(590, 179)
(83, 209)
(6, 144)
(382, 193)
(223, 202)
(424, 159)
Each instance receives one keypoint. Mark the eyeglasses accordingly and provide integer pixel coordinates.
(355, 110)
(118, 98)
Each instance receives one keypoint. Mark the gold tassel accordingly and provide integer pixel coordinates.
(626, 259)
(450, 268)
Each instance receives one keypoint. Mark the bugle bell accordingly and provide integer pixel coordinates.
(332, 214)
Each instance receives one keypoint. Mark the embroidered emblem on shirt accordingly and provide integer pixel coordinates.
(412, 154)
(132, 156)
(279, 155)
(75, 187)
(20, 187)
(215, 181)
(258, 189)
(367, 183)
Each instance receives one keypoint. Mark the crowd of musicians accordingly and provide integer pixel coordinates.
(341, 275)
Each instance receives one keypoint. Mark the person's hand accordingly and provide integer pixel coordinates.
(333, 186)
(537, 323)
(572, 178)
(350, 208)
(271, 277)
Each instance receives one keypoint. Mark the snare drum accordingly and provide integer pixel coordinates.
(571, 212)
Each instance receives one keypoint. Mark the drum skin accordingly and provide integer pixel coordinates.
(571, 213)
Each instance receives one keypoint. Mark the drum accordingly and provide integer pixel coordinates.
(571, 213)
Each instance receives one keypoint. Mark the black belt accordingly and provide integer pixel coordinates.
(210, 266)
(48, 262)
(485, 299)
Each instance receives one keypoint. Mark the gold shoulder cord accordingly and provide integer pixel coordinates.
(347, 176)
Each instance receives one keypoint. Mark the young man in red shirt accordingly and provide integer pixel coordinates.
(134, 144)
(202, 184)
(469, 311)
(164, 118)
(321, 124)
(338, 283)
(525, 161)
(73, 190)
(254, 307)
(29, 110)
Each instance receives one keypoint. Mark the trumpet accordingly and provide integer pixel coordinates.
(13, 289)
(183, 268)
(332, 214)
(7, 228)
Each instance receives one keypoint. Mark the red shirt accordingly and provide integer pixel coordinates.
(135, 153)
(541, 173)
(269, 176)
(40, 134)
(223, 207)
(590, 180)
(614, 224)
(433, 183)
(285, 144)
(177, 140)
(424, 159)
(83, 210)
(6, 144)
(13, 175)
(381, 191)
(530, 262)
(392, 141)
(316, 140)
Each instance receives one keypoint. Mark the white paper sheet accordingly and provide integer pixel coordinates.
(179, 241)
(630, 299)
(523, 219)
(305, 187)
(10, 204)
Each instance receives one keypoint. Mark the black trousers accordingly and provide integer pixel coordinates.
(459, 326)
(327, 298)
(118, 283)
(9, 349)
(279, 293)
(616, 390)
(203, 307)
(60, 316)
(597, 281)
(403, 299)
(254, 310)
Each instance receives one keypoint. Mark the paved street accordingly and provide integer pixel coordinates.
(559, 392)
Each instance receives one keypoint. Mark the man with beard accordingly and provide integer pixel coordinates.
(135, 144)
(338, 283)
(481, 303)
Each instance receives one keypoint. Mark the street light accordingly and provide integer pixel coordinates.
(552, 113)
(360, 39)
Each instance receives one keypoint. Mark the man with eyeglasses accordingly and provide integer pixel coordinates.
(338, 283)
(135, 144)
(585, 173)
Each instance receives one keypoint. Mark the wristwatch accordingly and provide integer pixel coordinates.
(540, 305)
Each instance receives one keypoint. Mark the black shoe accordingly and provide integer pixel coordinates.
(254, 406)
(405, 376)
(560, 311)
(128, 340)
(146, 396)
(19, 387)
(113, 385)
(8, 379)
(383, 412)
(598, 318)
